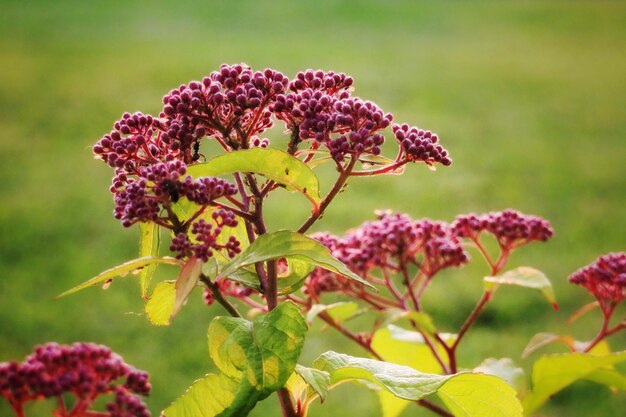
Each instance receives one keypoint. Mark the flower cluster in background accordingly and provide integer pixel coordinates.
(605, 279)
(84, 370)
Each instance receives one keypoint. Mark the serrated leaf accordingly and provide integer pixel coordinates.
(286, 243)
(187, 280)
(122, 270)
(552, 373)
(160, 305)
(149, 240)
(402, 381)
(525, 277)
(255, 358)
(339, 312)
(466, 394)
(480, 395)
(273, 164)
(505, 369)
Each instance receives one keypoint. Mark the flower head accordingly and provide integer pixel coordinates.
(511, 228)
(605, 278)
(85, 370)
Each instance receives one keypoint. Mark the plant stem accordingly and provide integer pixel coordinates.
(271, 295)
(604, 330)
(341, 180)
(285, 403)
(214, 288)
(383, 170)
(407, 283)
(466, 326)
(483, 251)
(358, 339)
(434, 408)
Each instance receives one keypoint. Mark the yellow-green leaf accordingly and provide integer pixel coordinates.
(273, 164)
(148, 246)
(465, 394)
(405, 347)
(160, 305)
(254, 359)
(122, 270)
(552, 373)
(525, 277)
(339, 312)
(286, 243)
(480, 395)
(505, 368)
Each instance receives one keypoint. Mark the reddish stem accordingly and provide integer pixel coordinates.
(407, 283)
(379, 171)
(341, 180)
(604, 330)
(466, 326)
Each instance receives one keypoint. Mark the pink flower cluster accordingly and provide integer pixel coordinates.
(605, 278)
(511, 228)
(84, 370)
(389, 242)
(235, 106)
(143, 197)
(320, 107)
(205, 236)
(230, 104)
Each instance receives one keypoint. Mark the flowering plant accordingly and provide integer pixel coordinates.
(212, 211)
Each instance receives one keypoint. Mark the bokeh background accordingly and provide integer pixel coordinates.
(527, 96)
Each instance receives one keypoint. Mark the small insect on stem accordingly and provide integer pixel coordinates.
(172, 190)
(196, 151)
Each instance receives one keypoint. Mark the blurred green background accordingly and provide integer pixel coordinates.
(528, 97)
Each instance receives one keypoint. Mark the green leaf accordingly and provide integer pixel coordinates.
(148, 246)
(505, 368)
(552, 373)
(298, 269)
(466, 394)
(121, 270)
(255, 358)
(276, 165)
(525, 277)
(286, 243)
(405, 347)
(317, 380)
(211, 396)
(339, 312)
(160, 305)
(402, 381)
(187, 280)
(609, 377)
(480, 395)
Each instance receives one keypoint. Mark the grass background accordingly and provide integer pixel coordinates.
(527, 96)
